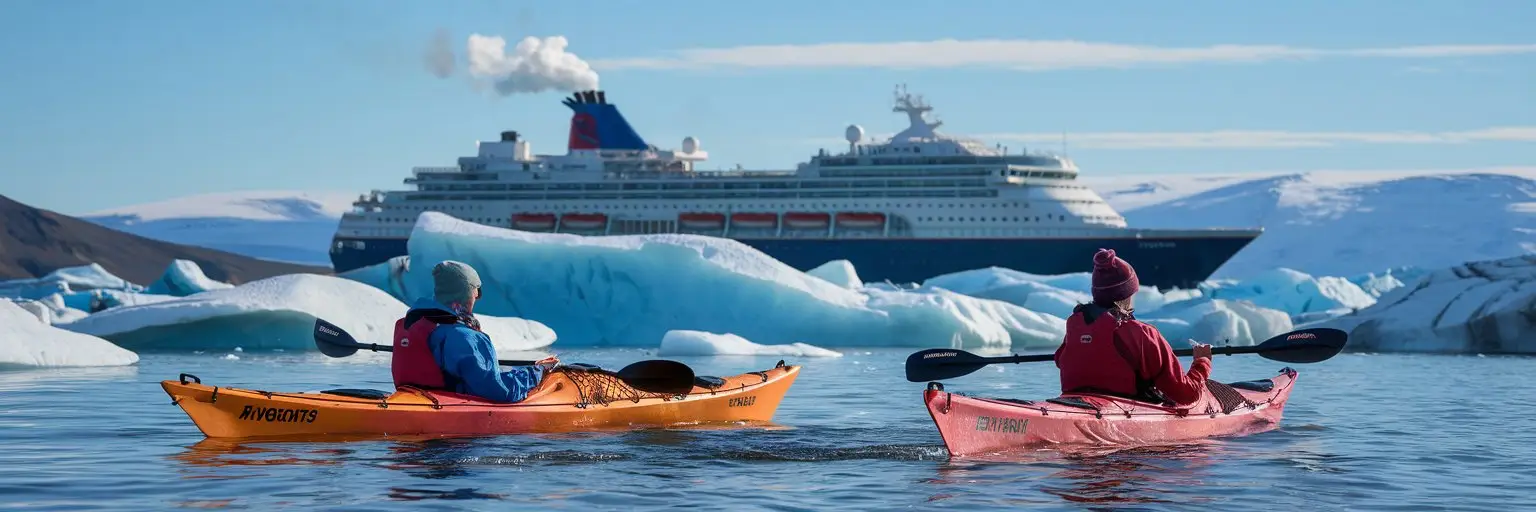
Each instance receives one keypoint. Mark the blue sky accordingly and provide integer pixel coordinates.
(110, 103)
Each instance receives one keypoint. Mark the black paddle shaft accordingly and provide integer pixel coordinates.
(1300, 346)
(335, 342)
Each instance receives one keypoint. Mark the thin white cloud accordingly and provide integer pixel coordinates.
(1261, 139)
(1019, 54)
(1244, 139)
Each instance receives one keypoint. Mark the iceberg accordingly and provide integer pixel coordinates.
(66, 280)
(1218, 322)
(631, 290)
(183, 278)
(838, 272)
(278, 313)
(388, 276)
(1178, 314)
(1293, 292)
(699, 343)
(26, 342)
(1052, 295)
(50, 310)
(1485, 307)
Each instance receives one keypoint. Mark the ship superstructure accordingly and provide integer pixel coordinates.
(913, 206)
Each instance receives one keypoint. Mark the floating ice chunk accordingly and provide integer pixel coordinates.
(1052, 295)
(1293, 292)
(278, 313)
(183, 278)
(838, 272)
(1218, 322)
(622, 290)
(51, 310)
(969, 281)
(26, 342)
(1484, 307)
(699, 343)
(64, 280)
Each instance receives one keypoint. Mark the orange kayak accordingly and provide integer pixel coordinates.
(563, 402)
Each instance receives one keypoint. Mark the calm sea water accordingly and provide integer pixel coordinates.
(1361, 432)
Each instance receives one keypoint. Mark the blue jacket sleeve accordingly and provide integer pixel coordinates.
(469, 355)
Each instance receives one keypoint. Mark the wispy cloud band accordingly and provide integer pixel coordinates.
(1249, 139)
(1025, 55)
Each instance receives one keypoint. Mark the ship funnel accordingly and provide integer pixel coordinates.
(597, 124)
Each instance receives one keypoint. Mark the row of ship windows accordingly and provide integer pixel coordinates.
(1058, 218)
(1011, 204)
(745, 194)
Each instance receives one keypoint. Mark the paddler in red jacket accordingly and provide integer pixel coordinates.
(1108, 351)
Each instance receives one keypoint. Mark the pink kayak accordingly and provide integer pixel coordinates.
(972, 425)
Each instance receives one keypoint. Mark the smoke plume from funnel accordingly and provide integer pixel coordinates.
(535, 65)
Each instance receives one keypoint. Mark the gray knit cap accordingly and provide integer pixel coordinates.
(454, 281)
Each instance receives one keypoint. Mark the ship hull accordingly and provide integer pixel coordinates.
(1164, 262)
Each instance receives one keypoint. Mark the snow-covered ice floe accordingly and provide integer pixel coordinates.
(1486, 307)
(631, 290)
(26, 342)
(278, 313)
(699, 343)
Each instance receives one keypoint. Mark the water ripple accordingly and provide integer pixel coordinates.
(1378, 432)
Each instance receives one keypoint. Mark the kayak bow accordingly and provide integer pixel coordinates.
(566, 401)
(972, 425)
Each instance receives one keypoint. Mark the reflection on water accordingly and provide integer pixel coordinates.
(1097, 475)
(846, 437)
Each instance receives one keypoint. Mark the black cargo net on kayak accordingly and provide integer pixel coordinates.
(604, 388)
(1229, 398)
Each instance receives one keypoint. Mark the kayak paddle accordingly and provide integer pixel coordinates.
(1301, 346)
(654, 376)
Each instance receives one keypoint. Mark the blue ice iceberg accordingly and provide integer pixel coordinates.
(631, 290)
(278, 313)
(183, 278)
(1293, 292)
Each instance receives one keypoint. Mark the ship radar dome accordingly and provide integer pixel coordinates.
(690, 144)
(854, 134)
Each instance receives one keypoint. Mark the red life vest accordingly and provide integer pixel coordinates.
(1092, 360)
(413, 363)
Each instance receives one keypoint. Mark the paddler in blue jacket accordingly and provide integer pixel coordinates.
(439, 344)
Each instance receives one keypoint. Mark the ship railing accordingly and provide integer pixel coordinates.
(426, 170)
(693, 175)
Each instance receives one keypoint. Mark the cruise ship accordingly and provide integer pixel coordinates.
(917, 205)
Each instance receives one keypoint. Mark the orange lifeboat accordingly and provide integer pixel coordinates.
(855, 220)
(583, 221)
(696, 220)
(533, 221)
(755, 220)
(807, 220)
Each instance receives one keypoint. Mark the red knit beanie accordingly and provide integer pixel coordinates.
(1113, 279)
